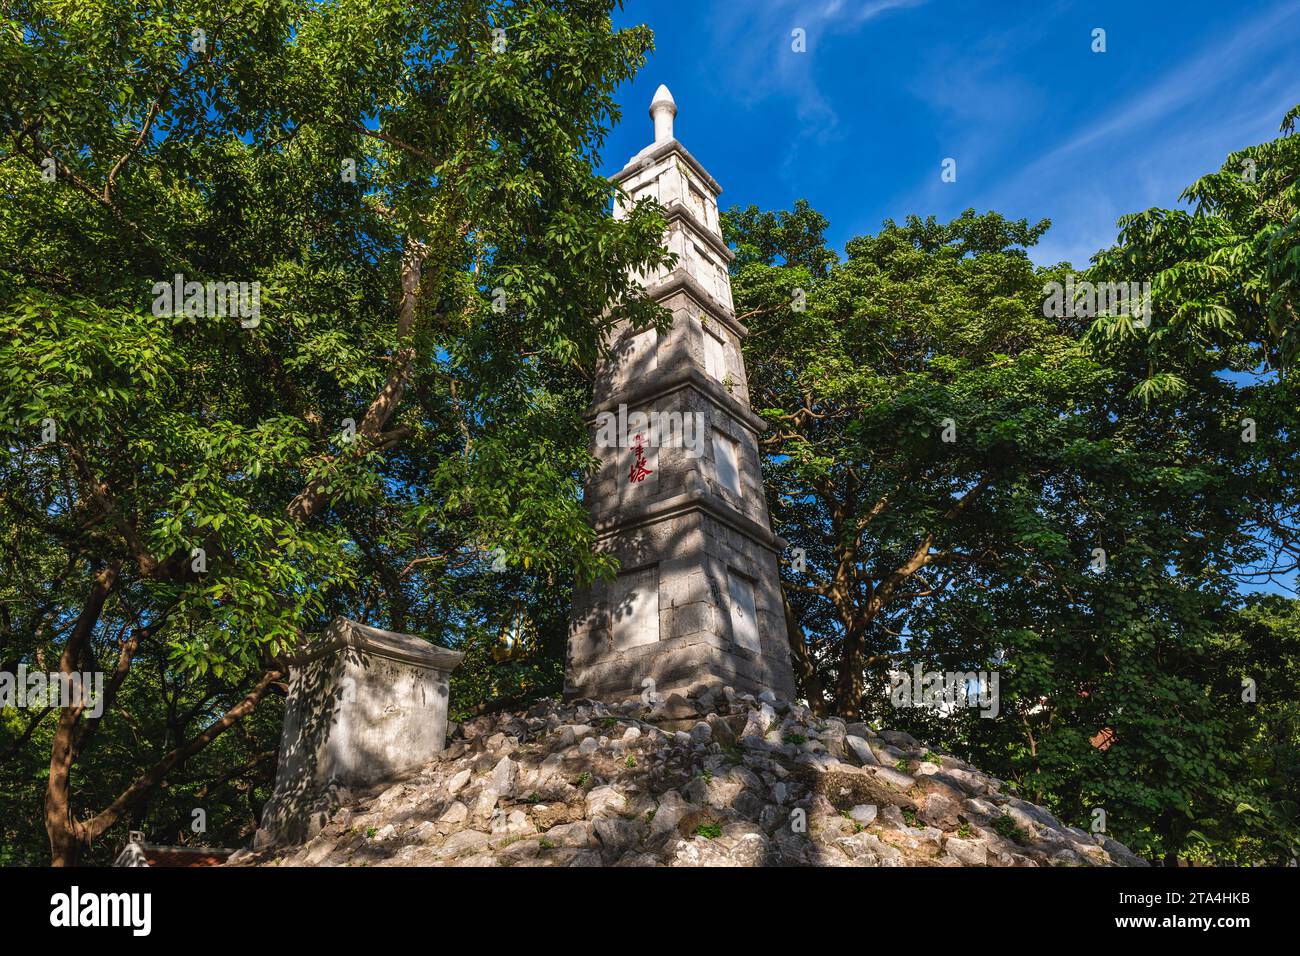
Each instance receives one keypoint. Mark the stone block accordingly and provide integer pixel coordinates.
(364, 706)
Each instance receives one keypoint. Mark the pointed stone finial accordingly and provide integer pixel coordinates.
(662, 110)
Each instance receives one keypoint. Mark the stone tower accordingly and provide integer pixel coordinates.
(678, 498)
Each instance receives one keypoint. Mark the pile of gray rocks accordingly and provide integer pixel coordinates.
(718, 779)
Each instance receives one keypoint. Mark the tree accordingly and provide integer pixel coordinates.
(966, 484)
(189, 489)
(1261, 647)
(1224, 274)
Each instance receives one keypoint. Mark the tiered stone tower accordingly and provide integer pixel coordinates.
(698, 598)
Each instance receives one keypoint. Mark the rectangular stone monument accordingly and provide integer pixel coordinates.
(698, 598)
(365, 705)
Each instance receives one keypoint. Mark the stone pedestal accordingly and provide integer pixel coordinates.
(364, 706)
(698, 597)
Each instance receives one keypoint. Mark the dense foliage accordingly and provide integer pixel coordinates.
(970, 483)
(392, 436)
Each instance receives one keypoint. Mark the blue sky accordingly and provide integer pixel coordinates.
(1040, 126)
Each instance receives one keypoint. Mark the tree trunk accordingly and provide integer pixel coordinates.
(144, 786)
(70, 837)
(850, 688)
(805, 666)
(67, 836)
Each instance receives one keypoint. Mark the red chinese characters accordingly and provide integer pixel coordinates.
(638, 471)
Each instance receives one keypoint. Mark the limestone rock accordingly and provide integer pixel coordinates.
(900, 740)
(967, 852)
(504, 776)
(456, 782)
(895, 778)
(861, 749)
(675, 707)
(580, 833)
(940, 810)
(456, 813)
(564, 784)
(863, 814)
(604, 801)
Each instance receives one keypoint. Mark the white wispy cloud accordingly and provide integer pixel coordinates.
(752, 43)
(1219, 65)
(861, 12)
(1120, 158)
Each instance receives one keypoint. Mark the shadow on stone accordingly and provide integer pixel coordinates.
(365, 705)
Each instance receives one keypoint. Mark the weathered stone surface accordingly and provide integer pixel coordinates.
(942, 784)
(861, 749)
(456, 813)
(364, 706)
(702, 733)
(967, 852)
(675, 707)
(864, 813)
(604, 801)
(900, 740)
(975, 784)
(895, 778)
(521, 793)
(462, 841)
(864, 849)
(617, 836)
(504, 775)
(580, 833)
(940, 810)
(667, 815)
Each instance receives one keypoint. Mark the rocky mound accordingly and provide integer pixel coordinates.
(723, 780)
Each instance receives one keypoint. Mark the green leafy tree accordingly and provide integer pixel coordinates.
(1224, 273)
(186, 494)
(966, 484)
(1263, 644)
